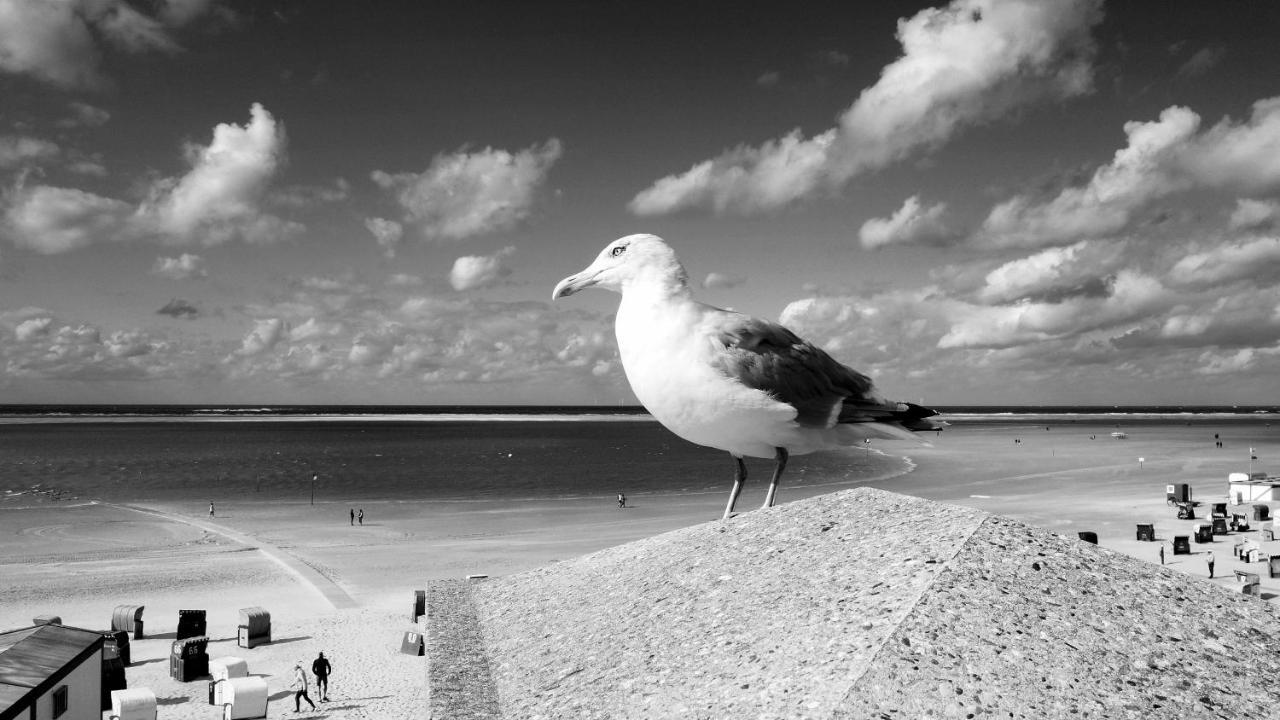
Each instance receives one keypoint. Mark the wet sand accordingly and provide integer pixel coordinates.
(347, 590)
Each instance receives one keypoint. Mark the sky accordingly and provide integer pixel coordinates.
(982, 202)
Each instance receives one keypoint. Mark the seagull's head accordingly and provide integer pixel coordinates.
(627, 262)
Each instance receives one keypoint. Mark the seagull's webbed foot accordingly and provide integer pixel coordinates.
(781, 456)
(739, 476)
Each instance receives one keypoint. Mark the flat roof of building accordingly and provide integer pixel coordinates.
(34, 659)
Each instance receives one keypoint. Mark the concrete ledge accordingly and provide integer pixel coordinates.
(459, 683)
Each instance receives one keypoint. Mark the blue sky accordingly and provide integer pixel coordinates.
(209, 201)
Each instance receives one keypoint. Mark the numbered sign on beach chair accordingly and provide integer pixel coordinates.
(413, 644)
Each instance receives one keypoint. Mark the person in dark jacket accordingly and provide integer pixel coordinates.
(321, 667)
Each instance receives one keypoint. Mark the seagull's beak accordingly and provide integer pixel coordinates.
(574, 283)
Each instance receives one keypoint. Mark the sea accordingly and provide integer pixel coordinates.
(69, 453)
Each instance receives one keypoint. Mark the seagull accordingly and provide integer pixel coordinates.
(730, 381)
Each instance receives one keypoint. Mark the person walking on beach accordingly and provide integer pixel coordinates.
(622, 500)
(300, 688)
(1210, 565)
(360, 516)
(321, 667)
(1162, 554)
(353, 516)
(211, 510)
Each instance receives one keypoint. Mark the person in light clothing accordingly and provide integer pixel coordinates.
(300, 688)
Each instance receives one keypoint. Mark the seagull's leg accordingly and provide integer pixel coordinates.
(781, 457)
(738, 477)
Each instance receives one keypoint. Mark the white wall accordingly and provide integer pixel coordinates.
(84, 693)
(1253, 493)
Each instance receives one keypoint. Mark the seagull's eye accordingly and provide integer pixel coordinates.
(618, 250)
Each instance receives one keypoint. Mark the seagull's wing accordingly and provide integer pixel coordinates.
(768, 357)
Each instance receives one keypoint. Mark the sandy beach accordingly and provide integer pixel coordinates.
(347, 590)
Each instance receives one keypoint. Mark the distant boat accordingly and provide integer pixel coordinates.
(1120, 435)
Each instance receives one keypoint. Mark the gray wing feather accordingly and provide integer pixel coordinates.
(768, 357)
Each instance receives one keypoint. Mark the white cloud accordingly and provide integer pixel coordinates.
(53, 220)
(388, 233)
(1215, 363)
(476, 271)
(1138, 174)
(264, 336)
(969, 63)
(61, 41)
(182, 12)
(1204, 60)
(217, 200)
(1258, 258)
(912, 223)
(128, 344)
(464, 194)
(1162, 158)
(28, 330)
(126, 28)
(183, 267)
(84, 115)
(21, 150)
(313, 329)
(404, 280)
(1253, 214)
(50, 41)
(219, 197)
(722, 281)
(1074, 270)
(306, 196)
(1132, 296)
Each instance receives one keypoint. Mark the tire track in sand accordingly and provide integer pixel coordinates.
(328, 589)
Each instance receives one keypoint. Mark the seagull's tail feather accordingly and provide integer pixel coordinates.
(868, 419)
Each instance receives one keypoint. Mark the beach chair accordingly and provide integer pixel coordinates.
(189, 659)
(113, 677)
(244, 697)
(1147, 532)
(419, 605)
(413, 644)
(133, 704)
(220, 671)
(191, 623)
(255, 627)
(129, 619)
(1181, 545)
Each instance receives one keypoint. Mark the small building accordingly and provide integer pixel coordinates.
(1258, 487)
(51, 671)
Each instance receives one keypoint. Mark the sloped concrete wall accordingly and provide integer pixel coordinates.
(1026, 624)
(868, 604)
(770, 614)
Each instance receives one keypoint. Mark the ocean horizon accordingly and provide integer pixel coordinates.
(19, 413)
